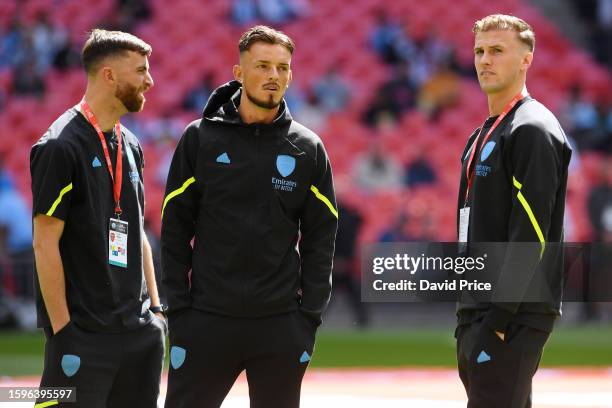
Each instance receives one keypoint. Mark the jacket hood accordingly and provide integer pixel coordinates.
(222, 106)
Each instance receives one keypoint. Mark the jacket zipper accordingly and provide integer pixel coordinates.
(251, 221)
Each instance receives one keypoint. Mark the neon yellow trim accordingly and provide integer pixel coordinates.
(530, 214)
(176, 192)
(46, 404)
(59, 199)
(325, 200)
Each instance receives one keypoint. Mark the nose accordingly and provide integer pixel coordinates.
(273, 73)
(485, 58)
(149, 81)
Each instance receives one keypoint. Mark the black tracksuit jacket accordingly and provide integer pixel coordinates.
(258, 202)
(518, 195)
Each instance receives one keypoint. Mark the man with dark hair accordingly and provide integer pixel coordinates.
(253, 189)
(97, 297)
(512, 191)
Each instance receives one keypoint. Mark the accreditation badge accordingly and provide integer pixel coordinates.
(464, 222)
(117, 242)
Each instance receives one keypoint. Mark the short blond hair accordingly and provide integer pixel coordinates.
(506, 22)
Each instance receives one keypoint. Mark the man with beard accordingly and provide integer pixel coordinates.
(253, 189)
(97, 299)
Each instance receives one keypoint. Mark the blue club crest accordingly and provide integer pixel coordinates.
(70, 364)
(285, 164)
(486, 151)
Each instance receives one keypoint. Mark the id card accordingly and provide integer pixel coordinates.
(464, 222)
(117, 242)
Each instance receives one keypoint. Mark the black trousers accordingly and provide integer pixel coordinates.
(209, 351)
(498, 373)
(107, 370)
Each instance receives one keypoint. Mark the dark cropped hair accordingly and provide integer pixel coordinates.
(265, 34)
(102, 44)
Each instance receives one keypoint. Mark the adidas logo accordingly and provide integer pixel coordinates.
(96, 162)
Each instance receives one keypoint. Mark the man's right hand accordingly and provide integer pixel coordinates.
(59, 325)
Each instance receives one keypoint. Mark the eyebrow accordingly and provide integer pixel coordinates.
(268, 62)
(489, 46)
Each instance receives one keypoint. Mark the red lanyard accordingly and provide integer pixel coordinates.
(118, 178)
(469, 171)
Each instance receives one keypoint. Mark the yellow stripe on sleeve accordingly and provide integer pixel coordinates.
(47, 404)
(176, 192)
(325, 200)
(59, 199)
(530, 214)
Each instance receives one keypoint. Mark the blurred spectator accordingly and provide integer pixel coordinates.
(167, 126)
(603, 35)
(346, 262)
(600, 216)
(376, 170)
(67, 56)
(197, 97)
(296, 99)
(47, 41)
(331, 91)
(413, 223)
(311, 114)
(16, 221)
(281, 11)
(243, 12)
(429, 54)
(298, 8)
(586, 122)
(11, 44)
(419, 171)
(389, 39)
(441, 91)
(7, 284)
(27, 81)
(134, 10)
(393, 97)
(164, 132)
(597, 18)
(600, 204)
(398, 231)
(277, 12)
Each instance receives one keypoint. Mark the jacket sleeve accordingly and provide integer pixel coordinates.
(318, 225)
(179, 212)
(535, 168)
(51, 168)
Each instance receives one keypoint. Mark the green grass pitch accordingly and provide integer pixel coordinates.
(22, 353)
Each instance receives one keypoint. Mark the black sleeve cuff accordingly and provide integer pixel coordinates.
(498, 318)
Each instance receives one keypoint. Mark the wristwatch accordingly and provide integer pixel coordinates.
(159, 309)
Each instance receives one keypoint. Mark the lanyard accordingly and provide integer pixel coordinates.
(118, 178)
(469, 170)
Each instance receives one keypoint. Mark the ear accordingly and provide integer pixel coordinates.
(108, 75)
(237, 71)
(527, 60)
(290, 78)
